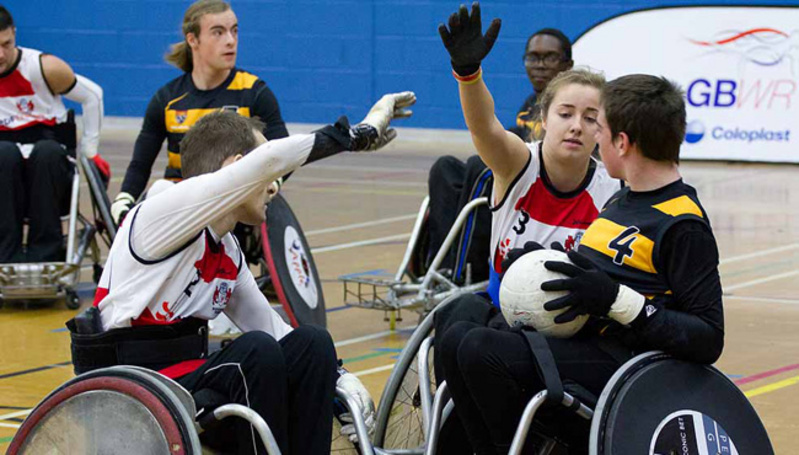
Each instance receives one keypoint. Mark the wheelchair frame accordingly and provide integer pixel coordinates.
(57, 280)
(434, 405)
(182, 407)
(405, 291)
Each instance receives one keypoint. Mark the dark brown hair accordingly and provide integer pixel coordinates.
(650, 110)
(6, 20)
(215, 138)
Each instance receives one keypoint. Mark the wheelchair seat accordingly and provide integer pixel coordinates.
(56, 280)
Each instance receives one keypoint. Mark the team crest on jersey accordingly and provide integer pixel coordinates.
(25, 105)
(230, 108)
(180, 116)
(221, 297)
(573, 241)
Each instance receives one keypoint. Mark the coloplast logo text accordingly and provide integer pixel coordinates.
(695, 132)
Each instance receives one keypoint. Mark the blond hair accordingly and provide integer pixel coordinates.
(179, 54)
(580, 76)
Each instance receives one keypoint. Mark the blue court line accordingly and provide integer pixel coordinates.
(63, 329)
(338, 308)
(383, 272)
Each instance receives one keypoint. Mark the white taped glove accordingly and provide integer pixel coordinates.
(354, 388)
(121, 206)
(373, 132)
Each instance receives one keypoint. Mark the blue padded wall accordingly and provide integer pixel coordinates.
(321, 58)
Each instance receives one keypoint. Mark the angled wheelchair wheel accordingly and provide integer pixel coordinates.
(291, 267)
(114, 410)
(401, 413)
(659, 405)
(341, 445)
(101, 204)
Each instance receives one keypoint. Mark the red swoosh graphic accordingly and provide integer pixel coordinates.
(740, 35)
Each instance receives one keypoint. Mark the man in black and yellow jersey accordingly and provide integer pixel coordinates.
(548, 53)
(210, 82)
(646, 272)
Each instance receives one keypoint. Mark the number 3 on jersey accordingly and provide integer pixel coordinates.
(622, 244)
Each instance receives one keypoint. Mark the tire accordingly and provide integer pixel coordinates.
(64, 425)
(399, 416)
(288, 259)
(72, 300)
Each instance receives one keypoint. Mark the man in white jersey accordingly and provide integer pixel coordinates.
(35, 171)
(175, 264)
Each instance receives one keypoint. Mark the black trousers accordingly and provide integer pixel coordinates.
(477, 310)
(290, 383)
(37, 188)
(491, 374)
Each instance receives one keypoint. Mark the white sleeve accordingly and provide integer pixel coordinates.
(249, 309)
(90, 97)
(165, 222)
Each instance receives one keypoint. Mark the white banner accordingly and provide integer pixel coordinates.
(739, 67)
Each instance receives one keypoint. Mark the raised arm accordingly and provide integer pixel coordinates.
(171, 218)
(501, 150)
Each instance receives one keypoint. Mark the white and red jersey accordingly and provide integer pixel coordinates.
(534, 211)
(25, 98)
(167, 264)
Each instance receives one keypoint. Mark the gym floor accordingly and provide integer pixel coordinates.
(357, 211)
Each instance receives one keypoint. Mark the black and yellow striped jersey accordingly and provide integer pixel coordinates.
(528, 121)
(626, 238)
(179, 104)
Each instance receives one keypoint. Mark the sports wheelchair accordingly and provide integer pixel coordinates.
(654, 404)
(133, 410)
(416, 286)
(58, 280)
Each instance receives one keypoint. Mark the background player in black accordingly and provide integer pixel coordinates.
(210, 82)
(646, 271)
(548, 52)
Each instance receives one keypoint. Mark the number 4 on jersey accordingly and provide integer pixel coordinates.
(622, 244)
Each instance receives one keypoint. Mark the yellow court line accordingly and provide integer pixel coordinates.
(772, 387)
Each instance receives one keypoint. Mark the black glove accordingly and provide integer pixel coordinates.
(515, 254)
(465, 42)
(592, 291)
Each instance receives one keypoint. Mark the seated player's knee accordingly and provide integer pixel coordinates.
(466, 307)
(475, 161)
(473, 349)
(47, 152)
(260, 347)
(451, 340)
(444, 167)
(10, 155)
(319, 343)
